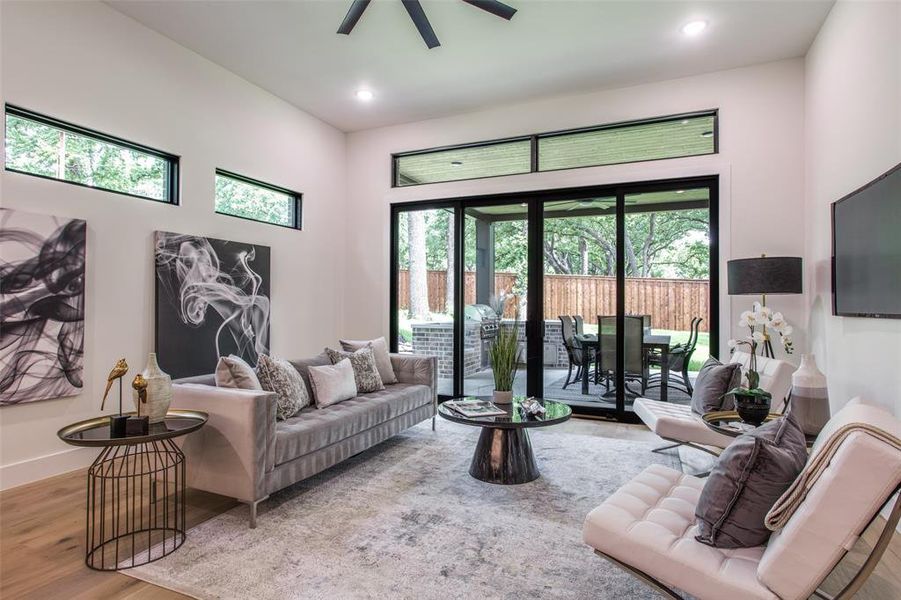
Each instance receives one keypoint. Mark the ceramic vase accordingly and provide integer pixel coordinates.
(159, 391)
(503, 397)
(809, 396)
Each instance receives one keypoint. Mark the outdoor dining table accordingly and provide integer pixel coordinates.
(651, 342)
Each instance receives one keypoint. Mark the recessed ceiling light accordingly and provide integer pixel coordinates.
(707, 134)
(694, 27)
(523, 204)
(684, 121)
(456, 163)
(680, 191)
(364, 95)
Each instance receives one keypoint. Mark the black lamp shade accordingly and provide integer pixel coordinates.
(765, 275)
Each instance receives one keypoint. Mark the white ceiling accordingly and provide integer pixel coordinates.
(550, 47)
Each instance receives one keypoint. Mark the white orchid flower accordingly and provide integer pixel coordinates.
(758, 337)
(764, 311)
(732, 343)
(787, 331)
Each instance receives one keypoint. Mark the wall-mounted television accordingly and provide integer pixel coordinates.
(866, 250)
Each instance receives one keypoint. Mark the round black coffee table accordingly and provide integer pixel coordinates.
(136, 490)
(504, 453)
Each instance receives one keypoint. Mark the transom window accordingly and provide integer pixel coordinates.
(240, 196)
(47, 147)
(673, 136)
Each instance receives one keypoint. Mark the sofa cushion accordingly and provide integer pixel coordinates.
(312, 429)
(677, 422)
(281, 377)
(362, 361)
(303, 367)
(713, 381)
(380, 351)
(233, 372)
(333, 383)
(748, 478)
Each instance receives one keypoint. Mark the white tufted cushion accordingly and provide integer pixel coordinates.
(649, 524)
(677, 422)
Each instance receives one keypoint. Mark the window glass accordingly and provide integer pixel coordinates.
(248, 199)
(490, 160)
(69, 153)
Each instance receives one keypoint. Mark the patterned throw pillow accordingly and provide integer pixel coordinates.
(366, 372)
(280, 377)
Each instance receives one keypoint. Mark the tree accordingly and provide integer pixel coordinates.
(419, 289)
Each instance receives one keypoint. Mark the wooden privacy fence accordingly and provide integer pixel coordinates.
(672, 303)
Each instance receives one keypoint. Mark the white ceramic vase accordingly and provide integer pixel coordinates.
(503, 397)
(159, 391)
(809, 396)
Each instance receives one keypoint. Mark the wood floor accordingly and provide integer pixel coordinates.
(42, 539)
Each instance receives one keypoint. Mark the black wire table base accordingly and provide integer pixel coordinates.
(136, 505)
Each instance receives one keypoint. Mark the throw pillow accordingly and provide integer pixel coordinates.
(382, 357)
(366, 373)
(234, 372)
(333, 383)
(714, 380)
(281, 377)
(749, 476)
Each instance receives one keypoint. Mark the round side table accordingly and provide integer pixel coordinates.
(135, 490)
(727, 422)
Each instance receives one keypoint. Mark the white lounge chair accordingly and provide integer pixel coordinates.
(676, 423)
(648, 525)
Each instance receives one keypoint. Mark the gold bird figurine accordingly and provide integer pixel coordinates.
(119, 370)
(140, 386)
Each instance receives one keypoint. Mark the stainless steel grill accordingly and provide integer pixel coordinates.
(489, 324)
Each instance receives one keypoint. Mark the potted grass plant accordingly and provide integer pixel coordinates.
(504, 356)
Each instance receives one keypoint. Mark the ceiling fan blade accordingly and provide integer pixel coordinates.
(353, 15)
(494, 7)
(414, 8)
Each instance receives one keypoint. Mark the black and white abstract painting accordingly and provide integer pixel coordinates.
(42, 273)
(212, 300)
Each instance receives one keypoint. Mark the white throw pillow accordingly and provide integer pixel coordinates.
(380, 351)
(333, 383)
(233, 372)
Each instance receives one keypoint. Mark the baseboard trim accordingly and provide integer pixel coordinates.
(34, 469)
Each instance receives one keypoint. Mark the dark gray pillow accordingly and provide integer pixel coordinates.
(750, 475)
(714, 380)
(303, 367)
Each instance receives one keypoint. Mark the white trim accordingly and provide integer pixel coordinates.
(41, 467)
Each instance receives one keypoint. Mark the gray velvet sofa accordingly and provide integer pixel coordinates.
(244, 453)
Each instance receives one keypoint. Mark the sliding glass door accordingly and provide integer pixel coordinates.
(612, 290)
(424, 288)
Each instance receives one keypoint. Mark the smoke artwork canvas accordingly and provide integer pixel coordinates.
(212, 300)
(42, 276)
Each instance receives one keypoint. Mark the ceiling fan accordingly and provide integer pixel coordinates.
(417, 14)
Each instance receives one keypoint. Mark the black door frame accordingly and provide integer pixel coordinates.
(535, 201)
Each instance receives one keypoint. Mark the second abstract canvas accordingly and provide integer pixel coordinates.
(212, 300)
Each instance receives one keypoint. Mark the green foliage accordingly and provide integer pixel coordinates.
(504, 356)
(40, 149)
(243, 199)
(671, 244)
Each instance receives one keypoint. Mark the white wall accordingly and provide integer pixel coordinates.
(760, 164)
(852, 135)
(90, 65)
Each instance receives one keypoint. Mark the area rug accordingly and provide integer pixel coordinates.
(405, 520)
